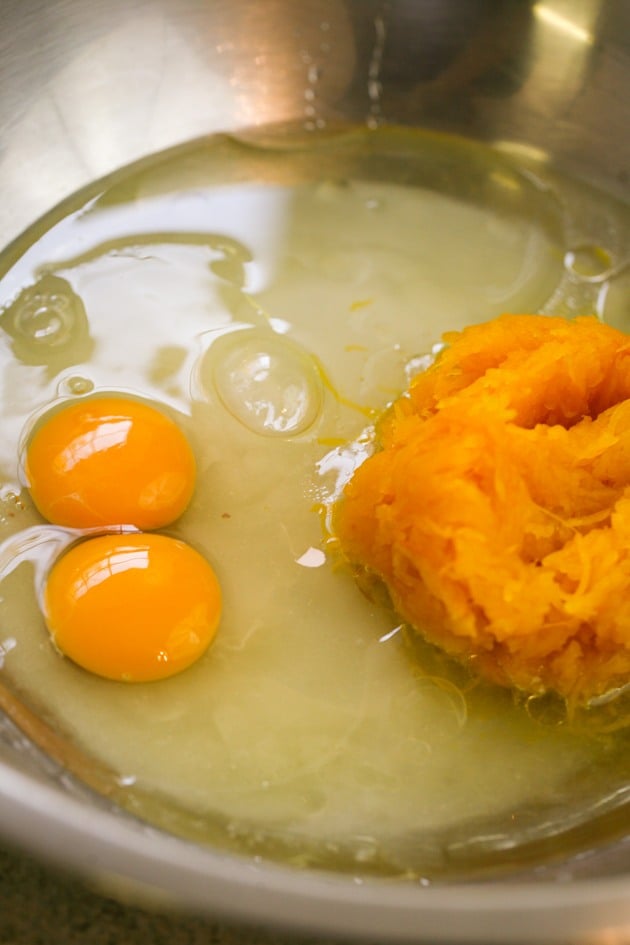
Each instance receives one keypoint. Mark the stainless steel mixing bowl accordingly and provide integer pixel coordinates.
(86, 87)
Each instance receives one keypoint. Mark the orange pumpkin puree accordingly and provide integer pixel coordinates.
(497, 507)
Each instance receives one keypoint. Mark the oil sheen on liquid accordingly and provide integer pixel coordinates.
(274, 295)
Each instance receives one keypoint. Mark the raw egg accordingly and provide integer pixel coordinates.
(133, 607)
(107, 461)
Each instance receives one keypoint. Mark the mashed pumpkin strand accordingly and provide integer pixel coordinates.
(497, 509)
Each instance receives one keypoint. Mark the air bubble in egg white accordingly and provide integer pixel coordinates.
(267, 382)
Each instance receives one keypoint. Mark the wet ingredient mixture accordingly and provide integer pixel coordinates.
(271, 297)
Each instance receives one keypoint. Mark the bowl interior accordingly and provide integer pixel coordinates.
(541, 84)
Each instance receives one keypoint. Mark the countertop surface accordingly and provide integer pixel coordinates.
(39, 906)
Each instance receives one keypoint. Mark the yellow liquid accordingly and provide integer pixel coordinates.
(275, 296)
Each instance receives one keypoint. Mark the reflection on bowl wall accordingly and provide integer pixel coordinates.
(88, 88)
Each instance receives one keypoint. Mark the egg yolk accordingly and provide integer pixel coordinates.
(108, 461)
(134, 608)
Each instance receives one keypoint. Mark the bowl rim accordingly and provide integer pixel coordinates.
(125, 857)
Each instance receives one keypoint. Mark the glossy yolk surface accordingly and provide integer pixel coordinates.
(132, 607)
(108, 461)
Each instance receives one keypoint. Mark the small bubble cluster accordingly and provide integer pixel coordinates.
(48, 325)
(45, 319)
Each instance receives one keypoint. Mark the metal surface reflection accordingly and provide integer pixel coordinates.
(117, 81)
(88, 87)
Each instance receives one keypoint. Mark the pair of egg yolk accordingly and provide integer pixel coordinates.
(135, 606)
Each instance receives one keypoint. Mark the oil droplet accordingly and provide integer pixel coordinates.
(76, 386)
(267, 382)
(590, 263)
(547, 709)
